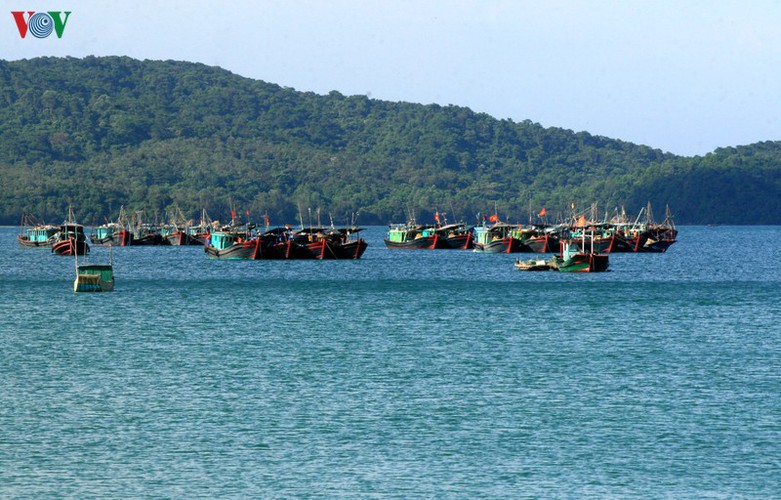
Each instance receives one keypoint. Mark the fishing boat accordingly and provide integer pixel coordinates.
(498, 238)
(182, 232)
(456, 236)
(659, 237)
(94, 277)
(36, 234)
(414, 236)
(332, 243)
(107, 234)
(233, 243)
(284, 243)
(70, 240)
(578, 256)
(183, 236)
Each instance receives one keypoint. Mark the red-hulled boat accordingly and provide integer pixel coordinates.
(331, 243)
(70, 240)
(458, 236)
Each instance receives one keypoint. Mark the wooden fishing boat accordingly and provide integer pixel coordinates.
(457, 236)
(183, 232)
(70, 240)
(331, 243)
(498, 238)
(184, 236)
(541, 238)
(659, 237)
(579, 256)
(233, 244)
(36, 234)
(107, 234)
(413, 236)
(284, 243)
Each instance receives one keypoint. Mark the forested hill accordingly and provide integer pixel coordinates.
(100, 133)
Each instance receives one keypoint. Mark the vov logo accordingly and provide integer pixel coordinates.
(40, 24)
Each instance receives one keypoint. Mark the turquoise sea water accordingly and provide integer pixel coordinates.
(406, 374)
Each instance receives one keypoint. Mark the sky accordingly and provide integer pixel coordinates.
(682, 76)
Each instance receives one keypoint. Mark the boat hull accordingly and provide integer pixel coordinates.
(246, 250)
(542, 244)
(286, 250)
(327, 250)
(181, 238)
(505, 245)
(70, 246)
(656, 246)
(583, 263)
(94, 278)
(460, 242)
(28, 243)
(613, 244)
(426, 242)
(106, 241)
(152, 239)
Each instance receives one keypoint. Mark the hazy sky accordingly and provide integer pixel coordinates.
(683, 76)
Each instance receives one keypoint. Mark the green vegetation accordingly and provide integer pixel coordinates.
(101, 133)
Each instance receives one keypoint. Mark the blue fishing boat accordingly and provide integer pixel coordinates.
(233, 243)
(36, 234)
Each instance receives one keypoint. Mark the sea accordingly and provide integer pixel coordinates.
(405, 374)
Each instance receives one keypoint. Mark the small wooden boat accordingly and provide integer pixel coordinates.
(533, 265)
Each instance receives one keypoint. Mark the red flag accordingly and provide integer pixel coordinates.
(436, 216)
(233, 214)
(494, 218)
(543, 212)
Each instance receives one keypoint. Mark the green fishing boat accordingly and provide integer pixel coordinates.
(579, 256)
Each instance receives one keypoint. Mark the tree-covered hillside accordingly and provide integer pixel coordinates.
(100, 133)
